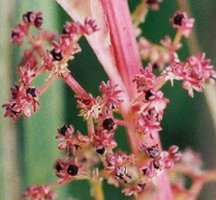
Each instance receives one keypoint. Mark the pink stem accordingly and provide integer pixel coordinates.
(128, 62)
(123, 41)
(75, 86)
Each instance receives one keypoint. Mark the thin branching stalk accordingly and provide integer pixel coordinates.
(210, 91)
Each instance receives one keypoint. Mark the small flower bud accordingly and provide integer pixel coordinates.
(28, 17)
(157, 164)
(174, 153)
(38, 20)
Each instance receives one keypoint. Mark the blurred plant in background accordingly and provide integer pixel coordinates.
(132, 99)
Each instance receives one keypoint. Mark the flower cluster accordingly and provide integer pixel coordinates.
(195, 73)
(24, 102)
(149, 113)
(38, 60)
(22, 29)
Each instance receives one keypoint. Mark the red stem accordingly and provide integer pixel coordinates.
(75, 86)
(128, 62)
(123, 41)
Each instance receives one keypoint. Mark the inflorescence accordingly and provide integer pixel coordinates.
(84, 153)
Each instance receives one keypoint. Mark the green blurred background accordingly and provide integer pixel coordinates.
(28, 148)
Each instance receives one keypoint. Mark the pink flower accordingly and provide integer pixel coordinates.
(24, 102)
(42, 192)
(29, 19)
(145, 79)
(18, 33)
(90, 107)
(150, 151)
(181, 21)
(104, 139)
(195, 72)
(69, 142)
(147, 126)
(27, 73)
(111, 95)
(90, 26)
(158, 102)
(34, 18)
(68, 169)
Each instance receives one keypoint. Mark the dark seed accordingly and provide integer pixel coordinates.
(32, 92)
(100, 150)
(28, 16)
(142, 185)
(38, 21)
(63, 130)
(178, 19)
(157, 164)
(58, 167)
(14, 34)
(148, 94)
(155, 66)
(65, 31)
(72, 170)
(57, 56)
(108, 124)
(144, 170)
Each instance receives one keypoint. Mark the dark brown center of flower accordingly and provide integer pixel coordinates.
(142, 185)
(148, 94)
(108, 124)
(32, 92)
(144, 170)
(100, 150)
(72, 170)
(157, 164)
(58, 167)
(14, 34)
(63, 130)
(153, 152)
(38, 21)
(178, 19)
(57, 55)
(150, 2)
